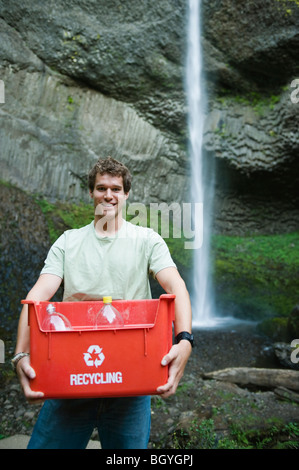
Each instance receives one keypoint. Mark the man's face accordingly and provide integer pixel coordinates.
(108, 195)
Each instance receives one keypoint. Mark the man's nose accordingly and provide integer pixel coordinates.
(108, 194)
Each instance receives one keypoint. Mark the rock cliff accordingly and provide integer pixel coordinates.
(251, 128)
(84, 80)
(87, 79)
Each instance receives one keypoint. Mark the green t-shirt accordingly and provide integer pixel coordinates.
(93, 267)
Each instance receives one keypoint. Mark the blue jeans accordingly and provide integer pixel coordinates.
(122, 423)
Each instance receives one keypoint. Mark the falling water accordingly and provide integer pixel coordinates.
(205, 313)
(202, 180)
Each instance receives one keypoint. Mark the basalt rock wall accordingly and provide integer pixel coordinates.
(87, 79)
(251, 129)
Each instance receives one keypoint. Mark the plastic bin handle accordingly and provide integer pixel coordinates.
(167, 296)
(29, 302)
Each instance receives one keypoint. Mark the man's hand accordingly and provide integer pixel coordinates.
(172, 283)
(43, 289)
(25, 373)
(176, 359)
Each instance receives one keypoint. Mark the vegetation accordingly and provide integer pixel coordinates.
(202, 435)
(256, 276)
(62, 216)
(234, 421)
(287, 5)
(259, 103)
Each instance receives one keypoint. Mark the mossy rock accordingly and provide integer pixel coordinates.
(293, 323)
(256, 276)
(275, 328)
(281, 328)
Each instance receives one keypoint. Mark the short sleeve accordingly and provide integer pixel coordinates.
(159, 255)
(54, 263)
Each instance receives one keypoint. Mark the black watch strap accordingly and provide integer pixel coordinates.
(184, 335)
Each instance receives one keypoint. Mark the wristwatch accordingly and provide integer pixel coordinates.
(17, 358)
(184, 335)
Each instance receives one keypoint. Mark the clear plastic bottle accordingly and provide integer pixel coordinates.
(108, 316)
(55, 321)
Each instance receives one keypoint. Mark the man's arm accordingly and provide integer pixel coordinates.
(44, 289)
(177, 358)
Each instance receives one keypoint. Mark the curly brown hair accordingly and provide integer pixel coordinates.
(112, 167)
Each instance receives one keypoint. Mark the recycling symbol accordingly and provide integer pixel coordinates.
(88, 358)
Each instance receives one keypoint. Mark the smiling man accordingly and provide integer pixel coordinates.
(109, 196)
(109, 256)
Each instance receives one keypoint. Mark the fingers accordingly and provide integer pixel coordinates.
(166, 360)
(31, 396)
(27, 373)
(176, 359)
(24, 368)
(167, 390)
(174, 373)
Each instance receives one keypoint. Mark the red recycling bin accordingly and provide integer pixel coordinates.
(85, 362)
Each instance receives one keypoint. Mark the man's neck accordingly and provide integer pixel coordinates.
(107, 227)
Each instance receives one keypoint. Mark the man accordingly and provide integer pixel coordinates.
(109, 256)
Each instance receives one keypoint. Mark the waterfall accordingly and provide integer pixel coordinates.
(202, 182)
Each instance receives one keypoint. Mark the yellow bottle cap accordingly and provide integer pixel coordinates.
(107, 300)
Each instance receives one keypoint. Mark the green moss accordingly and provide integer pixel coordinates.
(203, 435)
(259, 103)
(286, 4)
(62, 216)
(256, 276)
(275, 328)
